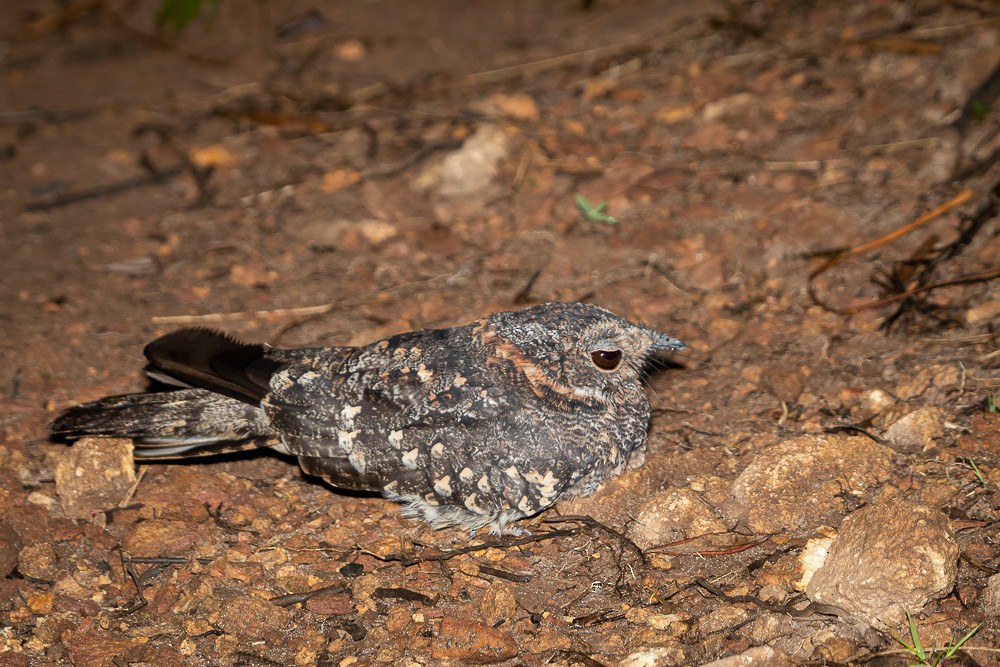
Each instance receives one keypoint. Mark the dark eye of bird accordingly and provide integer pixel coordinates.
(607, 360)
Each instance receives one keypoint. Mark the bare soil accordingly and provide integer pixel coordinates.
(280, 171)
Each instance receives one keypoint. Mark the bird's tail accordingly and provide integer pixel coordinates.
(170, 424)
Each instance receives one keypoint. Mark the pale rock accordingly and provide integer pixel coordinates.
(94, 475)
(888, 559)
(799, 484)
(673, 515)
(915, 432)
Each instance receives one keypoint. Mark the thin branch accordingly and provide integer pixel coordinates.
(899, 232)
(809, 610)
(295, 598)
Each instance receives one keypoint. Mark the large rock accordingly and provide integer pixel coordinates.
(799, 484)
(94, 475)
(887, 559)
(674, 515)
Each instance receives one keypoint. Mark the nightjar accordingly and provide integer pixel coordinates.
(476, 425)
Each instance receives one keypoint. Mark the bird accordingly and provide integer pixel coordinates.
(476, 426)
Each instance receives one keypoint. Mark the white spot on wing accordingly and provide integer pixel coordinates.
(525, 505)
(470, 504)
(346, 440)
(348, 414)
(546, 483)
(466, 475)
(396, 439)
(437, 450)
(513, 473)
(357, 459)
(410, 458)
(443, 486)
(484, 484)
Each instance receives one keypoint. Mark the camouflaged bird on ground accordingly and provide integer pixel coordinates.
(476, 425)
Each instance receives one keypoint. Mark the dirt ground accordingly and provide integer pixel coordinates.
(332, 173)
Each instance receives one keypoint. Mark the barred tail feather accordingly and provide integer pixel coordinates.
(170, 424)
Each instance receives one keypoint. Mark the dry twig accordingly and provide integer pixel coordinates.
(919, 284)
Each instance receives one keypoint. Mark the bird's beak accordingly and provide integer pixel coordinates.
(662, 342)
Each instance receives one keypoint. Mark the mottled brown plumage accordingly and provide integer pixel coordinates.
(477, 425)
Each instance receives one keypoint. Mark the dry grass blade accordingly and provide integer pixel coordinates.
(883, 240)
(899, 232)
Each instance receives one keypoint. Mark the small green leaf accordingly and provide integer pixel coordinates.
(980, 110)
(178, 13)
(594, 213)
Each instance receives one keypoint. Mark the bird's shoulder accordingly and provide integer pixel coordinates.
(431, 378)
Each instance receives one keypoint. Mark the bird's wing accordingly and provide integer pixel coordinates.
(377, 406)
(307, 403)
(212, 360)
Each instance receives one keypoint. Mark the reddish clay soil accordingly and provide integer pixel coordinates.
(332, 173)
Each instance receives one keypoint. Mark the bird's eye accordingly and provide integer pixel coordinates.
(607, 360)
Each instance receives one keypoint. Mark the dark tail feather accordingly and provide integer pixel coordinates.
(212, 360)
(169, 424)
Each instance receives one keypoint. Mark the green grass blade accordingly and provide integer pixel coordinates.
(960, 642)
(918, 648)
